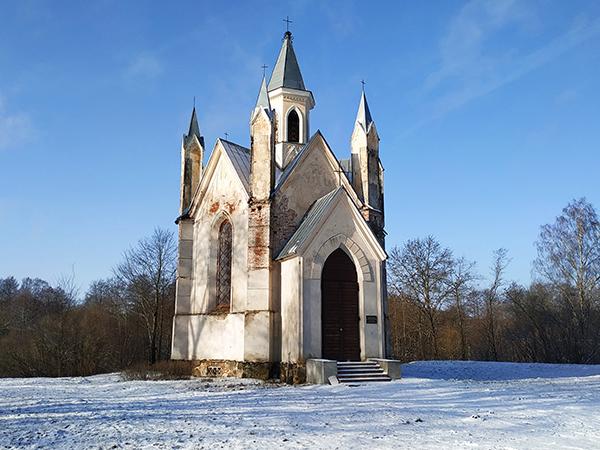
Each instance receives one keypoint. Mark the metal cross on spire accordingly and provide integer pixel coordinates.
(363, 82)
(287, 23)
(264, 68)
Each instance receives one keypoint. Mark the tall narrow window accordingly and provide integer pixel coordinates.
(224, 266)
(293, 126)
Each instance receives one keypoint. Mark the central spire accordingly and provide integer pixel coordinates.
(286, 72)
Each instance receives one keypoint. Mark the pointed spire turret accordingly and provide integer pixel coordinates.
(363, 116)
(192, 153)
(286, 72)
(367, 170)
(263, 97)
(194, 128)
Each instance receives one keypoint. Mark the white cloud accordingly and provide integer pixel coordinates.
(15, 128)
(462, 48)
(505, 72)
(567, 95)
(471, 67)
(144, 66)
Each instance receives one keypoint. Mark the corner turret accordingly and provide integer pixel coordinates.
(367, 170)
(192, 152)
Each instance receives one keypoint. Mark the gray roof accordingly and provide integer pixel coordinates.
(286, 72)
(364, 115)
(263, 97)
(312, 217)
(346, 165)
(240, 157)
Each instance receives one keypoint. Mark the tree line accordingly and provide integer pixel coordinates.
(121, 321)
(440, 308)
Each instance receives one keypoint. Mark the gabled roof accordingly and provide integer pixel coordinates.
(286, 72)
(329, 155)
(240, 157)
(312, 217)
(315, 216)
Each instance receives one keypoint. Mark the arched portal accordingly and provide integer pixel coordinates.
(340, 334)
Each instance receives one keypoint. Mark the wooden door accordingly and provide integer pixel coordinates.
(339, 309)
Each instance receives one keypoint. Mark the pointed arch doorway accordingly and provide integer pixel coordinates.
(340, 334)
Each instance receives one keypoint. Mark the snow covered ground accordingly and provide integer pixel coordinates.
(437, 405)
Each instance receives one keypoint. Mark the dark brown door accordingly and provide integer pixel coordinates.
(339, 309)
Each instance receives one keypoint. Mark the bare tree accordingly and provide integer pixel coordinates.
(149, 272)
(569, 259)
(460, 283)
(492, 298)
(420, 271)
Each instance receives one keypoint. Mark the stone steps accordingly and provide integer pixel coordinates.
(360, 372)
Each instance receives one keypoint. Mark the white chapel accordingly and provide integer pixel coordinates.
(281, 244)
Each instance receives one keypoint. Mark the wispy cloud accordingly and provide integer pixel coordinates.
(144, 66)
(462, 47)
(15, 127)
(566, 96)
(469, 69)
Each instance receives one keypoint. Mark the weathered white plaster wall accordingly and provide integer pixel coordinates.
(225, 198)
(291, 309)
(204, 336)
(199, 333)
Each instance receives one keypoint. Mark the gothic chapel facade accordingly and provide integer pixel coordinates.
(281, 245)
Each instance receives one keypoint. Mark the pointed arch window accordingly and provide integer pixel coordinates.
(293, 126)
(224, 257)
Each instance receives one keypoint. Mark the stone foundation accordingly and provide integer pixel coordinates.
(214, 368)
(292, 373)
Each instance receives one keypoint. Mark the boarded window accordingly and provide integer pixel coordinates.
(293, 126)
(224, 266)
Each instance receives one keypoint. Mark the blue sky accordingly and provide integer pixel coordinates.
(488, 113)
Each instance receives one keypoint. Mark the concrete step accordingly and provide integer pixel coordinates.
(360, 372)
(357, 364)
(358, 367)
(363, 379)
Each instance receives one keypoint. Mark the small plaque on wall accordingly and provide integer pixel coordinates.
(371, 319)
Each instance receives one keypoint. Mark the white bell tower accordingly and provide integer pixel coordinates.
(291, 102)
